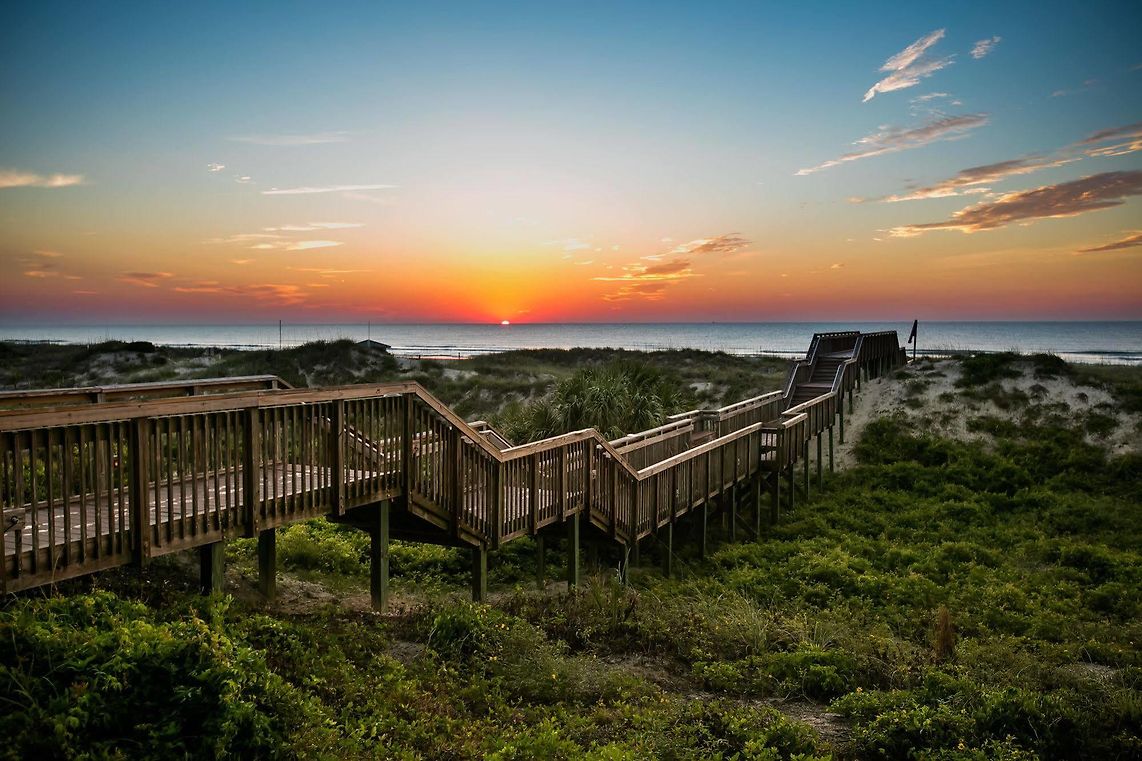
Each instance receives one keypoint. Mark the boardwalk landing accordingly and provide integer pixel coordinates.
(96, 478)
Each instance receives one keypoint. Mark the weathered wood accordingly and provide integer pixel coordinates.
(831, 449)
(820, 464)
(212, 568)
(479, 574)
(540, 562)
(142, 478)
(379, 559)
(268, 563)
(573, 550)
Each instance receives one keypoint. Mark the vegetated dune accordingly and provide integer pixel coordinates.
(969, 587)
(967, 398)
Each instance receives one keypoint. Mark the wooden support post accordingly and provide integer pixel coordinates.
(805, 457)
(212, 567)
(540, 562)
(703, 526)
(831, 450)
(379, 559)
(757, 498)
(268, 563)
(573, 551)
(775, 499)
(820, 463)
(850, 401)
(668, 550)
(479, 574)
(733, 513)
(636, 557)
(789, 485)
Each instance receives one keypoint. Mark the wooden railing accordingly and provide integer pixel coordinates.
(58, 397)
(491, 433)
(87, 487)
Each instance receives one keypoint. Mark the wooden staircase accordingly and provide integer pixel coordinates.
(822, 377)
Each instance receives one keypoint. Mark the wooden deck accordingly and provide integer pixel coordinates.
(89, 483)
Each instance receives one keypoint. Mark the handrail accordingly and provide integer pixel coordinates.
(490, 431)
(635, 438)
(51, 397)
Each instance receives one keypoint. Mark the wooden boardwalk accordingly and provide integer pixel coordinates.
(101, 478)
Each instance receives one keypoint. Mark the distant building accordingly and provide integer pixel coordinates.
(372, 345)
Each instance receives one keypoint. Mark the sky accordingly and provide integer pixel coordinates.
(214, 162)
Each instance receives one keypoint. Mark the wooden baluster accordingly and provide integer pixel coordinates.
(253, 475)
(140, 459)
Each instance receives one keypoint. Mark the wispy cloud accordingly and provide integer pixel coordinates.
(985, 46)
(314, 138)
(295, 245)
(326, 272)
(214, 167)
(310, 226)
(569, 244)
(1087, 85)
(309, 189)
(1133, 240)
(1122, 140)
(909, 66)
(15, 178)
(721, 244)
(1117, 141)
(647, 281)
(145, 279)
(43, 265)
(285, 294)
(895, 139)
(966, 180)
(1067, 199)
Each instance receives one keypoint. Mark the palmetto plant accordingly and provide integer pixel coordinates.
(618, 398)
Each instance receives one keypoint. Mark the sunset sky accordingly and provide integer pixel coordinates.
(477, 162)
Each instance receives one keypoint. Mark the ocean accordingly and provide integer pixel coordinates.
(1107, 342)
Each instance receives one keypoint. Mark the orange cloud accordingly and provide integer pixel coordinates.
(1067, 199)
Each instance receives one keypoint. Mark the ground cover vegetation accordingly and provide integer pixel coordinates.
(940, 599)
(489, 386)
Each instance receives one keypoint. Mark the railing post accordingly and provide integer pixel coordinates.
(406, 450)
(338, 451)
(533, 491)
(251, 470)
(497, 503)
(140, 489)
(456, 473)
